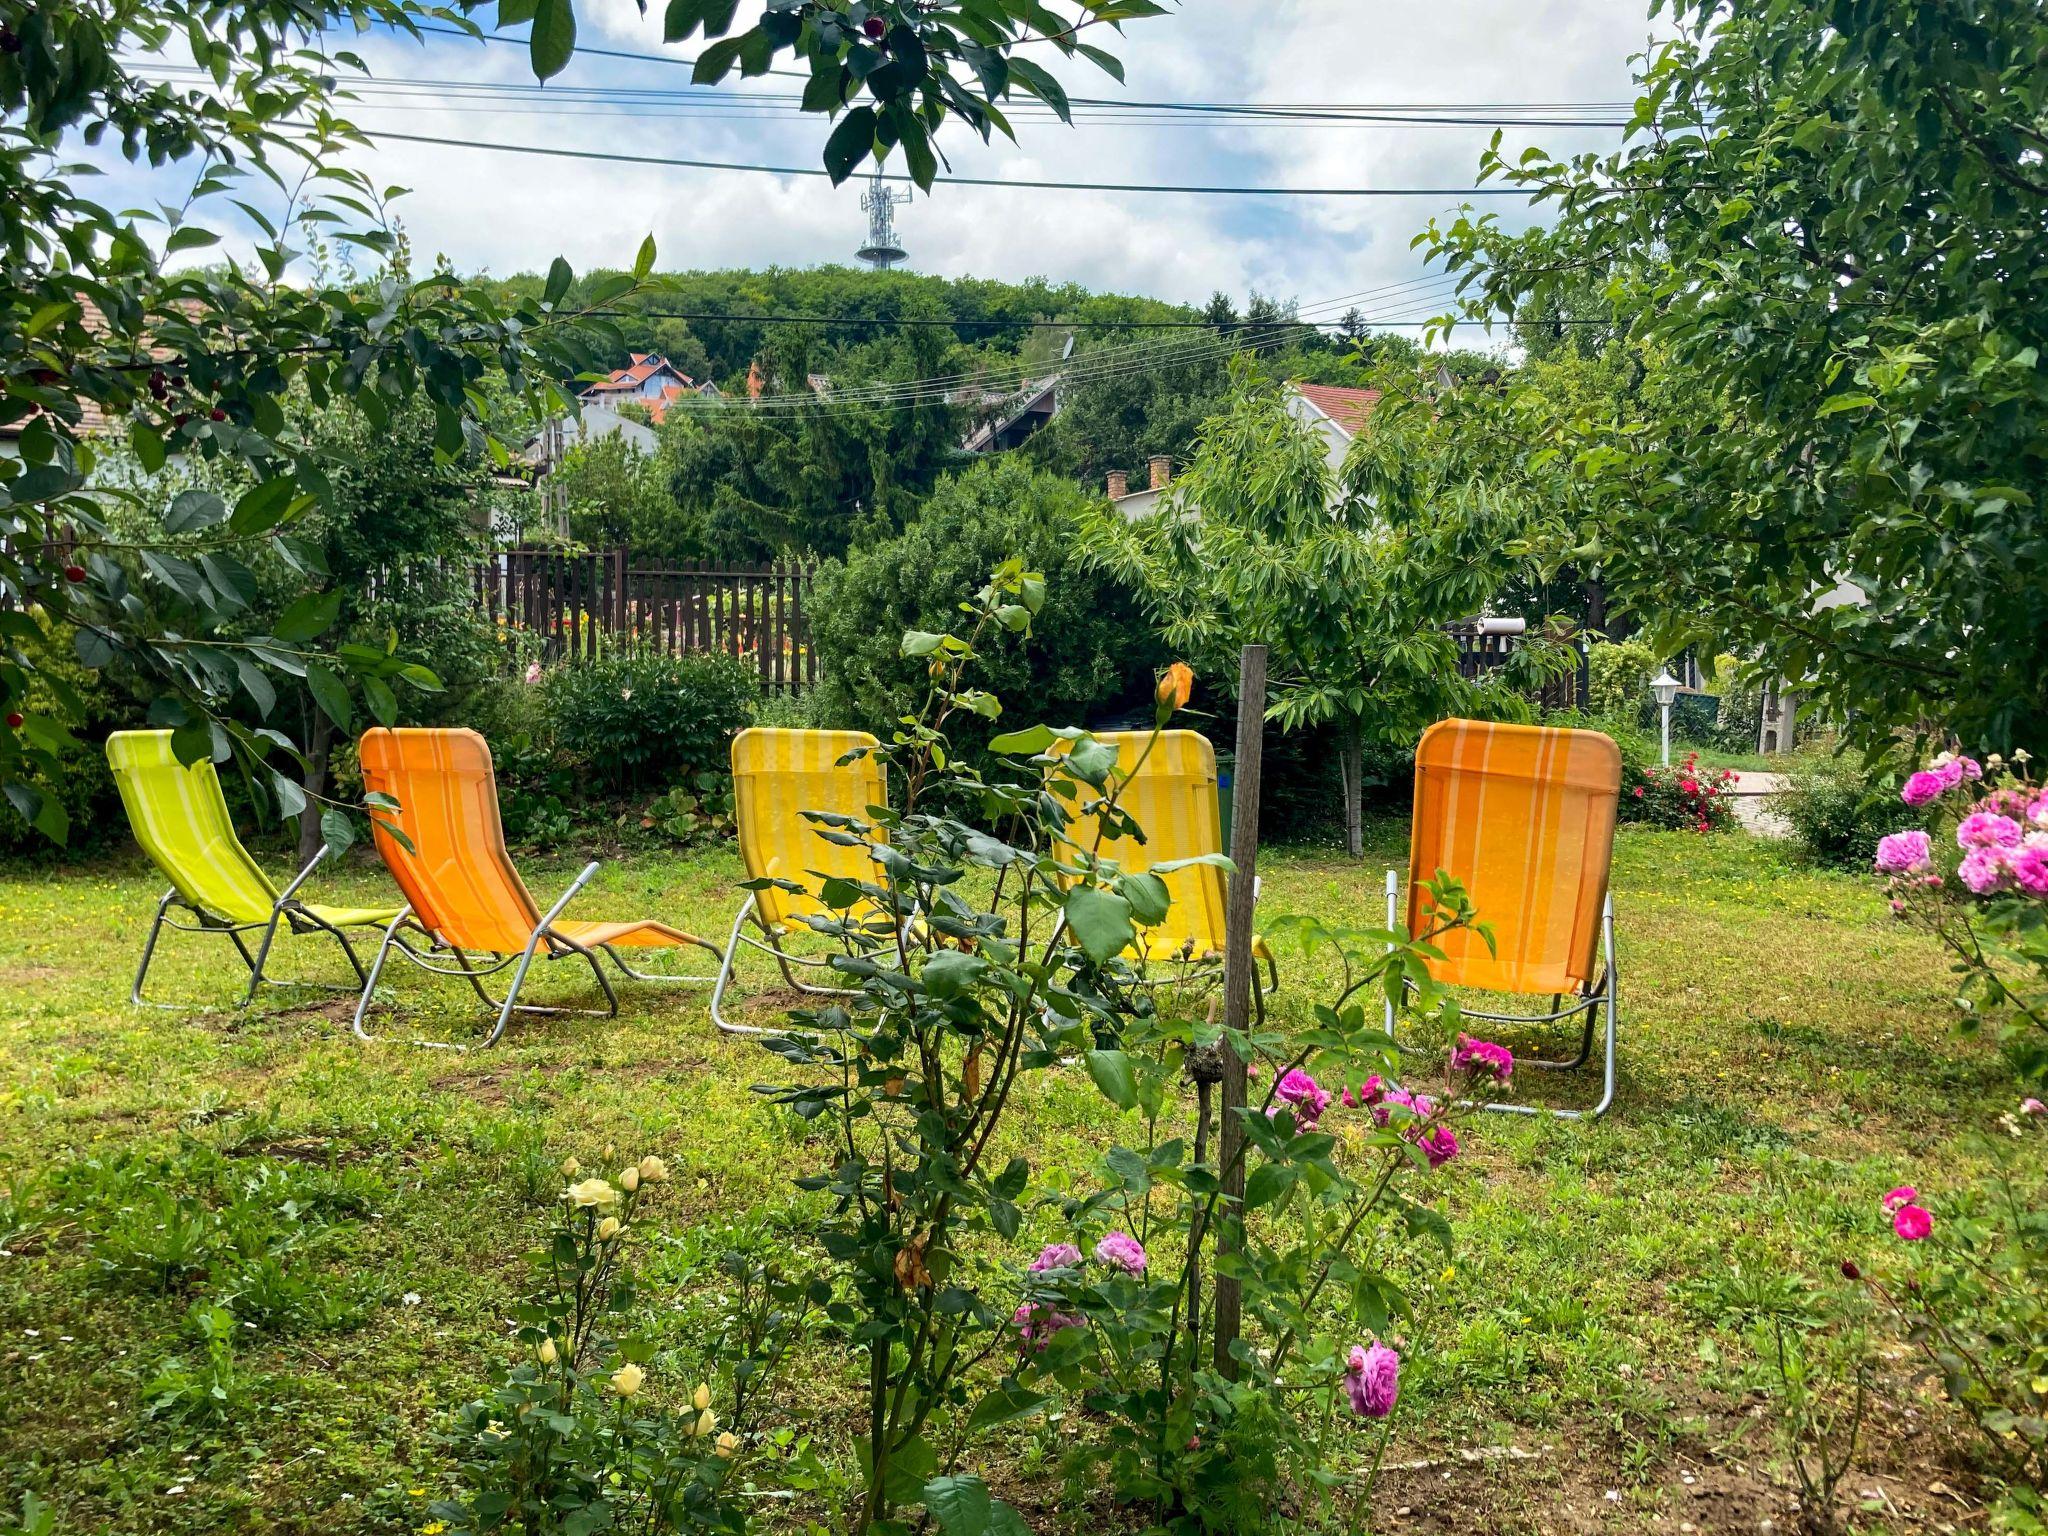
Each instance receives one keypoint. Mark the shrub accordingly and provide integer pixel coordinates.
(63, 689)
(1618, 680)
(1683, 797)
(1091, 648)
(635, 723)
(1839, 808)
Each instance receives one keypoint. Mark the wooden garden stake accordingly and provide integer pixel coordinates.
(1237, 992)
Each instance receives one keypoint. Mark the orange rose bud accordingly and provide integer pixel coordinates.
(1176, 686)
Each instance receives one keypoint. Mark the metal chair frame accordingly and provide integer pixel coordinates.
(286, 909)
(559, 946)
(1599, 993)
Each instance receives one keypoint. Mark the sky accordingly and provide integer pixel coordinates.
(503, 213)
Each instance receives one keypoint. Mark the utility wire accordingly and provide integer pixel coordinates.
(619, 158)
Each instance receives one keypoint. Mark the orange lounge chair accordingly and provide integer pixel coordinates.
(1171, 792)
(778, 775)
(1523, 816)
(462, 894)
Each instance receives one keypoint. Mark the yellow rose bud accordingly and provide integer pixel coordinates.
(570, 1167)
(610, 1151)
(1176, 686)
(608, 1229)
(728, 1444)
(629, 1178)
(548, 1353)
(701, 1398)
(653, 1169)
(627, 1379)
(707, 1421)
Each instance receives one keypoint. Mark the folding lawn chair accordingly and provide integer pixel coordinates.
(778, 775)
(1172, 794)
(463, 897)
(1523, 817)
(181, 820)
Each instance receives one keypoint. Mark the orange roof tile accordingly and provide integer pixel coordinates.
(1348, 408)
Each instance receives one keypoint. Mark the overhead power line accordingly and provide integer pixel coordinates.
(621, 158)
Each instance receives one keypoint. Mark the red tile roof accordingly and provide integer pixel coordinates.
(1348, 408)
(645, 366)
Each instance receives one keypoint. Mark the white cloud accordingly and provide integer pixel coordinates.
(502, 212)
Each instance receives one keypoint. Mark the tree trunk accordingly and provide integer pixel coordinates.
(320, 744)
(1351, 763)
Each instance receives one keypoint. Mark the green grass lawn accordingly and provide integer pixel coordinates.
(1580, 1364)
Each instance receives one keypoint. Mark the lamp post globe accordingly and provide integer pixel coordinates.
(1664, 688)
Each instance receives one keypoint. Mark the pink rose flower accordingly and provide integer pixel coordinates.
(1055, 1256)
(1307, 1098)
(1987, 829)
(1986, 870)
(2030, 870)
(1912, 1223)
(1439, 1143)
(1036, 1325)
(1372, 1379)
(1904, 1195)
(1483, 1058)
(1922, 788)
(1949, 770)
(2033, 1107)
(1904, 852)
(1122, 1251)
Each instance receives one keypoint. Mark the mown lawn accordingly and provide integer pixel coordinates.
(1580, 1363)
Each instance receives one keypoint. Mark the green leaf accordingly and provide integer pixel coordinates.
(309, 617)
(189, 237)
(1101, 922)
(553, 40)
(337, 830)
(1148, 897)
(1090, 761)
(330, 693)
(644, 262)
(560, 276)
(193, 510)
(961, 1505)
(148, 445)
(1267, 1183)
(43, 812)
(1112, 1073)
(1007, 1402)
(851, 142)
(262, 506)
(952, 973)
(383, 704)
(291, 800)
(1036, 80)
(1025, 743)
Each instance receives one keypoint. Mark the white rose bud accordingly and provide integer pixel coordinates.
(608, 1229)
(728, 1444)
(627, 1379)
(653, 1169)
(548, 1353)
(629, 1178)
(570, 1167)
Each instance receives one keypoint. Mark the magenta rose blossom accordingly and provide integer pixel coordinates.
(1985, 870)
(1036, 1325)
(1122, 1251)
(1055, 1256)
(1307, 1098)
(1987, 829)
(1922, 788)
(1420, 1105)
(1484, 1058)
(2030, 870)
(1912, 1222)
(2033, 1107)
(1903, 852)
(1372, 1378)
(1898, 1198)
(1439, 1143)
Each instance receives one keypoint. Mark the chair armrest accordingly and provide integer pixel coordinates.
(311, 864)
(569, 895)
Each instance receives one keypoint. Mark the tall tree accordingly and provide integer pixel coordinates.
(1348, 579)
(1832, 220)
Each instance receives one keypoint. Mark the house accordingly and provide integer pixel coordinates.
(646, 378)
(1014, 417)
(1335, 413)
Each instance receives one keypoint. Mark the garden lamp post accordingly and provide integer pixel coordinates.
(1665, 688)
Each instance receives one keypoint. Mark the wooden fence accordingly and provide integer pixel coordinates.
(582, 606)
(1481, 653)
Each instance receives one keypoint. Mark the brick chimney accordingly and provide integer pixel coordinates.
(1119, 485)
(1162, 470)
(755, 379)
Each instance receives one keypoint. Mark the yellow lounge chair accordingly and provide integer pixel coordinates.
(1172, 795)
(181, 820)
(1523, 817)
(778, 775)
(462, 893)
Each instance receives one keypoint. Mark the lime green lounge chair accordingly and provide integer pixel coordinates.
(181, 821)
